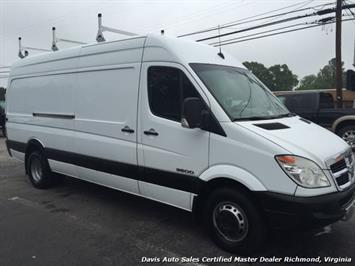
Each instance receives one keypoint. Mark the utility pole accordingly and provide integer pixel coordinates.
(338, 71)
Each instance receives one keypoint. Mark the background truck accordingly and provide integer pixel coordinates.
(2, 117)
(319, 107)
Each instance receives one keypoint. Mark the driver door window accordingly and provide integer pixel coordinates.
(167, 89)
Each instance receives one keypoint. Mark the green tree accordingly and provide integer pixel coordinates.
(325, 79)
(326, 76)
(283, 78)
(308, 83)
(276, 78)
(260, 71)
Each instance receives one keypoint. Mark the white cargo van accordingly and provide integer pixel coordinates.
(176, 122)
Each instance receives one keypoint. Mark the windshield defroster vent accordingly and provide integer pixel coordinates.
(272, 126)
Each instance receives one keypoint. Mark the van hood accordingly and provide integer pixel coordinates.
(299, 137)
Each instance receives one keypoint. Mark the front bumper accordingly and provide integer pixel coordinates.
(284, 211)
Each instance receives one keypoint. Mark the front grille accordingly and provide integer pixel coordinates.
(343, 179)
(342, 171)
(338, 166)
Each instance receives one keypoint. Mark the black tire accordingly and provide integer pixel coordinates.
(233, 221)
(39, 171)
(347, 133)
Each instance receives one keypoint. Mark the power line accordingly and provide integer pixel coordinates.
(350, 9)
(282, 32)
(320, 21)
(321, 12)
(239, 22)
(257, 27)
(297, 9)
(201, 15)
(249, 19)
(254, 34)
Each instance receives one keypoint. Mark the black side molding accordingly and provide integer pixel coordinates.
(16, 146)
(54, 115)
(175, 180)
(8, 148)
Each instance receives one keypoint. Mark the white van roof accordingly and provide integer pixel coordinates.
(157, 48)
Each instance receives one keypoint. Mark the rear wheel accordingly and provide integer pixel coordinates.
(38, 170)
(347, 133)
(233, 222)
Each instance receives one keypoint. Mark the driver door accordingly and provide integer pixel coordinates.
(173, 157)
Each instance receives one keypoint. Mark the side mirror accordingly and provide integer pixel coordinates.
(193, 113)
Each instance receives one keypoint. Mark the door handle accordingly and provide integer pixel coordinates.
(151, 132)
(127, 129)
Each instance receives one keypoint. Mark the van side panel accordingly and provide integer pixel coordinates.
(42, 107)
(40, 103)
(107, 96)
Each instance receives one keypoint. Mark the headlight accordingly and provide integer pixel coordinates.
(303, 171)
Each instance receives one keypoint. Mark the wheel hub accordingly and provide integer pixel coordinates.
(230, 221)
(36, 169)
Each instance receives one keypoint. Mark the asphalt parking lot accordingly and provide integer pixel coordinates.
(77, 223)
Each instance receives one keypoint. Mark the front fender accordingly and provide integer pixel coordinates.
(235, 173)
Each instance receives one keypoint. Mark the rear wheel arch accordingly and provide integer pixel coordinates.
(32, 145)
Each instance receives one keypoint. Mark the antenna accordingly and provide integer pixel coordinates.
(22, 50)
(100, 33)
(55, 40)
(219, 42)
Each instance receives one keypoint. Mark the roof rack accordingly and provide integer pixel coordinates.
(55, 40)
(100, 36)
(23, 50)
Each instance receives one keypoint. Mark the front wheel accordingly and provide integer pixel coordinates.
(233, 221)
(347, 133)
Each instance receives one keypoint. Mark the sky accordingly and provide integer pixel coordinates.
(305, 52)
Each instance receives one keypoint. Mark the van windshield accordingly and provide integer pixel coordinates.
(240, 93)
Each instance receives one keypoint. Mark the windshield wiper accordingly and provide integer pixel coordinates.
(285, 115)
(253, 118)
